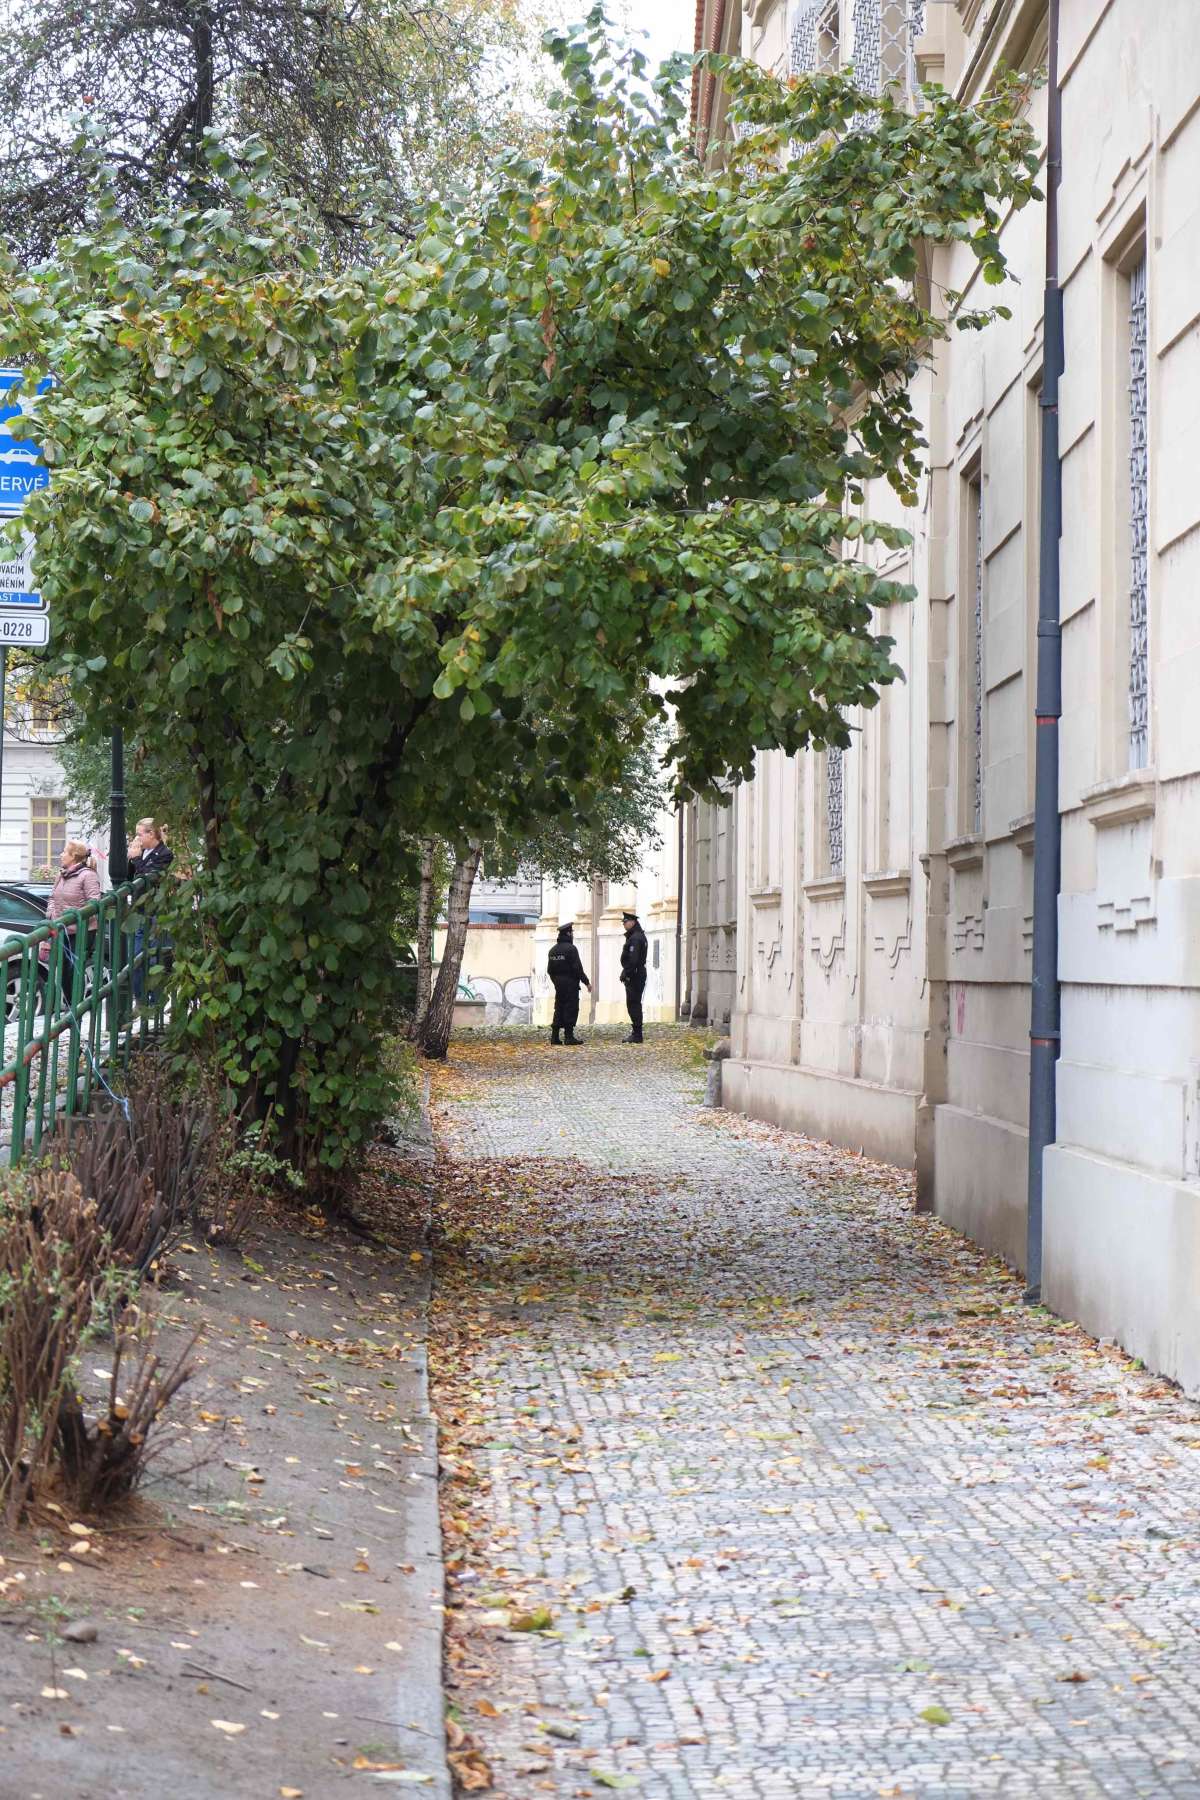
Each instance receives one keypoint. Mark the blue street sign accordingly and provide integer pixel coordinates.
(22, 471)
(16, 579)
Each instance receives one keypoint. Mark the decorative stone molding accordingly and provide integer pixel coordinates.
(969, 931)
(1021, 832)
(1123, 918)
(881, 882)
(828, 887)
(771, 896)
(894, 948)
(1121, 802)
(828, 948)
(965, 852)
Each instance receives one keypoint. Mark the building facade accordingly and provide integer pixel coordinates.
(883, 904)
(595, 909)
(36, 818)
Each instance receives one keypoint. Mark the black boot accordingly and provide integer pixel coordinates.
(554, 1038)
(572, 1039)
(635, 1037)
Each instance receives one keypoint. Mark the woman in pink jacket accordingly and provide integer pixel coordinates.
(77, 883)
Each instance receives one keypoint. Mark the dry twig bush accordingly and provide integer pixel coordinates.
(51, 1257)
(175, 1135)
(103, 1462)
(59, 1290)
(104, 1157)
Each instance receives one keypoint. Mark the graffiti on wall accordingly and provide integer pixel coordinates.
(505, 1003)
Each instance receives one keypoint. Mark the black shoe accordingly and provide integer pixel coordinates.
(633, 1038)
(556, 1039)
(576, 1042)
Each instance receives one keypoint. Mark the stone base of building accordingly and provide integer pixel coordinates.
(1121, 1256)
(861, 1115)
(980, 1180)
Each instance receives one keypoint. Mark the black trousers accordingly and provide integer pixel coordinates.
(633, 1003)
(566, 1008)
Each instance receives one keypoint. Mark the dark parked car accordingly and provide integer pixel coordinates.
(25, 893)
(22, 909)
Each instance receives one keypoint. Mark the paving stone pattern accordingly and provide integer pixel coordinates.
(856, 1487)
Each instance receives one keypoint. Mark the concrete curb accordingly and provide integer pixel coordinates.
(420, 1695)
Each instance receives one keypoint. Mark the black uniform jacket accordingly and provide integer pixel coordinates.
(563, 965)
(633, 956)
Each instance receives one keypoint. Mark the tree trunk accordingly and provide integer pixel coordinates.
(434, 1035)
(424, 934)
(202, 116)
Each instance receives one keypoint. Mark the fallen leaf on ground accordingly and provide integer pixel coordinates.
(540, 1619)
(228, 1726)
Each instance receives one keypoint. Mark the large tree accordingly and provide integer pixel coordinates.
(582, 450)
(364, 103)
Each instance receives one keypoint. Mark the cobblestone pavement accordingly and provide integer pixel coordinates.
(818, 1507)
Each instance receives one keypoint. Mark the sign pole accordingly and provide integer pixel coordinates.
(3, 700)
(118, 862)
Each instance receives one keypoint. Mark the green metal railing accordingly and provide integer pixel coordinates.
(79, 994)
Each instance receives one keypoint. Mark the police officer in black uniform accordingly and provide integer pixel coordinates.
(633, 973)
(565, 970)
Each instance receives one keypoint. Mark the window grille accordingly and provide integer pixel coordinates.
(884, 34)
(814, 44)
(976, 493)
(834, 814)
(47, 832)
(1139, 672)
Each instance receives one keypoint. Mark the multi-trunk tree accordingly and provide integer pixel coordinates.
(365, 104)
(350, 537)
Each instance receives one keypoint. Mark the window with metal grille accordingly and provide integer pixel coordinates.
(1139, 511)
(815, 40)
(47, 831)
(884, 33)
(835, 840)
(975, 525)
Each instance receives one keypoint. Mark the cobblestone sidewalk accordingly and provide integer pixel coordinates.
(817, 1506)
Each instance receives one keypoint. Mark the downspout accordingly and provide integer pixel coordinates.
(1045, 1009)
(679, 920)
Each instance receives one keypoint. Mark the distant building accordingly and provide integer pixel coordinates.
(35, 818)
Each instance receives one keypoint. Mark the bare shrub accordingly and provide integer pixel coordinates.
(103, 1156)
(58, 1292)
(174, 1132)
(102, 1462)
(51, 1255)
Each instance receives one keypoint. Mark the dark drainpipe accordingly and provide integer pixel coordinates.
(1045, 1009)
(679, 917)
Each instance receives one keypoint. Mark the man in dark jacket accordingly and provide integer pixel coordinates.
(633, 973)
(565, 970)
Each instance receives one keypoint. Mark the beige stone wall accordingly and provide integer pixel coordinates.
(493, 952)
(890, 1006)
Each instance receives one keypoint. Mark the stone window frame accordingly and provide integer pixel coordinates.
(970, 800)
(1125, 244)
(886, 728)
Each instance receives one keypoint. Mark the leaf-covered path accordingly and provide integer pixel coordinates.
(758, 1485)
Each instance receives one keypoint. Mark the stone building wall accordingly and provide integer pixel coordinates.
(885, 1002)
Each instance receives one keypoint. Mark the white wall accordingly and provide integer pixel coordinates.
(31, 769)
